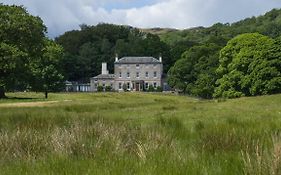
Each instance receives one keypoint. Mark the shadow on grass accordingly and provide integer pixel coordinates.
(22, 98)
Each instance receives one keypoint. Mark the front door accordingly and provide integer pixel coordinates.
(137, 86)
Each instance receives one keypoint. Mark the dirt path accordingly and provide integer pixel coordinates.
(28, 104)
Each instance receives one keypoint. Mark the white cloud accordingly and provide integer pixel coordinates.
(63, 15)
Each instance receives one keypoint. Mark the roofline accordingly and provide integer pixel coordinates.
(102, 78)
(137, 62)
(153, 62)
(96, 77)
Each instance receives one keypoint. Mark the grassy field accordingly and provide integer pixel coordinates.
(131, 133)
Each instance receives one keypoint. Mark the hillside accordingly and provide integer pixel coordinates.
(268, 24)
(120, 133)
(158, 30)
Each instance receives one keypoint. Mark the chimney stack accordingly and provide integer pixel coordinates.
(104, 70)
(116, 57)
(160, 57)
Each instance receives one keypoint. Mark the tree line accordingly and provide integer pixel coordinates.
(229, 60)
(249, 65)
(224, 60)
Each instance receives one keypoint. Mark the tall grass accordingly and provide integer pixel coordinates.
(141, 134)
(264, 160)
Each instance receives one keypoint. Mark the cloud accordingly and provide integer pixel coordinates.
(63, 15)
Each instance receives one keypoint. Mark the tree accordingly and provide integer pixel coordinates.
(194, 73)
(21, 42)
(249, 66)
(11, 59)
(47, 74)
(204, 86)
(181, 73)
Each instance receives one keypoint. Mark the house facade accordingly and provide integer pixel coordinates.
(131, 74)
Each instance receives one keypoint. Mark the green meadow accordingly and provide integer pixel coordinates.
(139, 133)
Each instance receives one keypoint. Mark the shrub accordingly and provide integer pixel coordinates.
(100, 88)
(151, 88)
(159, 89)
(108, 88)
(125, 87)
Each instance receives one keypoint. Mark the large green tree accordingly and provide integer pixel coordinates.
(195, 73)
(47, 74)
(249, 65)
(21, 41)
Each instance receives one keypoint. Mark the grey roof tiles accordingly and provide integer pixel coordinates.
(140, 60)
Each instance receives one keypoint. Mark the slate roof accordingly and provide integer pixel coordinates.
(104, 76)
(135, 60)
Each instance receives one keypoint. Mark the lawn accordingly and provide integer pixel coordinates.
(139, 133)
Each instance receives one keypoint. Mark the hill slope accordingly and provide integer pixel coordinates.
(268, 24)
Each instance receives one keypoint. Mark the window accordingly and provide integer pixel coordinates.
(120, 85)
(120, 74)
(146, 85)
(128, 86)
(137, 74)
(154, 65)
(111, 85)
(154, 84)
(146, 65)
(103, 85)
(128, 74)
(155, 74)
(146, 74)
(137, 66)
(96, 85)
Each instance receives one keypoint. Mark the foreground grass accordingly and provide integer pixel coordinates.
(130, 133)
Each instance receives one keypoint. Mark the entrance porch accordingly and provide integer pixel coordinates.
(138, 85)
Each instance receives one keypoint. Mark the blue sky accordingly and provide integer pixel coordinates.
(63, 15)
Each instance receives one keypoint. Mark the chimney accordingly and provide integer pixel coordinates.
(104, 70)
(160, 57)
(116, 57)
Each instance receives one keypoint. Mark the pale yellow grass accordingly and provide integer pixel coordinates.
(31, 104)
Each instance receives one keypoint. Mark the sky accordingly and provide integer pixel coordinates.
(64, 15)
